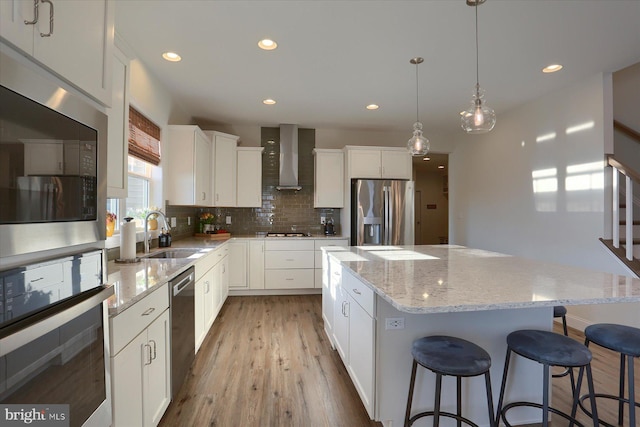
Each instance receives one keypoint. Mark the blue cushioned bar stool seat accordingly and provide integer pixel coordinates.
(626, 341)
(451, 356)
(548, 349)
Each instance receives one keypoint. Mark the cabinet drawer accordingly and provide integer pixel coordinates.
(288, 259)
(289, 279)
(330, 242)
(127, 325)
(360, 292)
(289, 245)
(205, 263)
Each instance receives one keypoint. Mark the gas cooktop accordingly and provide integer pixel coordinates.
(275, 234)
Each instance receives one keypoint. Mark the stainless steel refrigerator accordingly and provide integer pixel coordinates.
(382, 212)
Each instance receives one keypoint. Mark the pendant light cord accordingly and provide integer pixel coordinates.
(477, 54)
(417, 103)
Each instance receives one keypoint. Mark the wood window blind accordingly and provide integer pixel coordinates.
(144, 138)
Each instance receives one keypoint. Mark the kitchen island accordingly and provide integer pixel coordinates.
(377, 300)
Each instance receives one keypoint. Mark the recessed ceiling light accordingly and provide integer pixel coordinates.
(441, 167)
(426, 158)
(372, 107)
(269, 101)
(267, 44)
(171, 56)
(552, 68)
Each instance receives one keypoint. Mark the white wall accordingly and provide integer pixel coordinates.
(151, 98)
(511, 194)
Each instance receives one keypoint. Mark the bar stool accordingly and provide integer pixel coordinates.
(560, 311)
(626, 341)
(452, 356)
(548, 349)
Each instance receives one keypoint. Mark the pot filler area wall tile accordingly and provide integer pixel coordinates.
(281, 210)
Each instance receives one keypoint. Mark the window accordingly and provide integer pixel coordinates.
(140, 175)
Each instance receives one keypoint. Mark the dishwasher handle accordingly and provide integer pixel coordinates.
(183, 283)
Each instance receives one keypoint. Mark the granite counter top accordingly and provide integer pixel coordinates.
(449, 278)
(132, 282)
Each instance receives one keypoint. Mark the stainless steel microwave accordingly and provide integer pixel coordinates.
(52, 163)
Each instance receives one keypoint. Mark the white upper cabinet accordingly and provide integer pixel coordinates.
(118, 136)
(249, 177)
(224, 165)
(74, 39)
(328, 178)
(396, 164)
(384, 162)
(188, 175)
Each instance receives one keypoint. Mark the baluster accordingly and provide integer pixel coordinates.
(615, 221)
(629, 218)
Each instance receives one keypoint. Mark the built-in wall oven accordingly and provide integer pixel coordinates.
(53, 340)
(54, 346)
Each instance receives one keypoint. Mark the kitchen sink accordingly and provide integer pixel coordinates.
(174, 253)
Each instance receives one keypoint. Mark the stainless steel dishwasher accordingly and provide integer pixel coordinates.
(183, 339)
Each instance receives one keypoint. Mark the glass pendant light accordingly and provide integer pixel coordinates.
(479, 118)
(418, 145)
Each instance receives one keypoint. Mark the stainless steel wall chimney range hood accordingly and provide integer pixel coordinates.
(289, 158)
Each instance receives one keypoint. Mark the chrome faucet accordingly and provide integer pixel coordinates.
(146, 228)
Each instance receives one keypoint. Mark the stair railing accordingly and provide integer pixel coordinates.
(630, 177)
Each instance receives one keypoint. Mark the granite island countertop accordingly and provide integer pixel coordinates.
(450, 278)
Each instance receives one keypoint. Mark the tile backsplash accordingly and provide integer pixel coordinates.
(281, 211)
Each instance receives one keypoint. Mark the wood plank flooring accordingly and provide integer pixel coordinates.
(267, 362)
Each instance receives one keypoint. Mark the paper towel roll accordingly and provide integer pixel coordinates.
(128, 240)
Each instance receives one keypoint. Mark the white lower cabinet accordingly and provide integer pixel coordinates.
(289, 264)
(354, 334)
(256, 264)
(211, 290)
(238, 258)
(334, 244)
(141, 370)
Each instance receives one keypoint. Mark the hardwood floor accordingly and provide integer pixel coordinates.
(267, 362)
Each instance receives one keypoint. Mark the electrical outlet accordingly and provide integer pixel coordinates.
(188, 220)
(322, 220)
(173, 221)
(228, 219)
(394, 323)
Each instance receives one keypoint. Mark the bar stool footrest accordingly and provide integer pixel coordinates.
(603, 396)
(534, 405)
(442, 414)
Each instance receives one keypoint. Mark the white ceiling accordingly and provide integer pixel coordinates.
(335, 57)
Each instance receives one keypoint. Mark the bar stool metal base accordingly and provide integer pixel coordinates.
(548, 349)
(626, 341)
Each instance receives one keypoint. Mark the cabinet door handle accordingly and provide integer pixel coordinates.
(149, 347)
(217, 197)
(289, 259)
(50, 19)
(35, 14)
(154, 349)
(149, 311)
(204, 195)
(357, 292)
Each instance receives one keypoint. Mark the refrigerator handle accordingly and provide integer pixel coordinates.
(385, 240)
